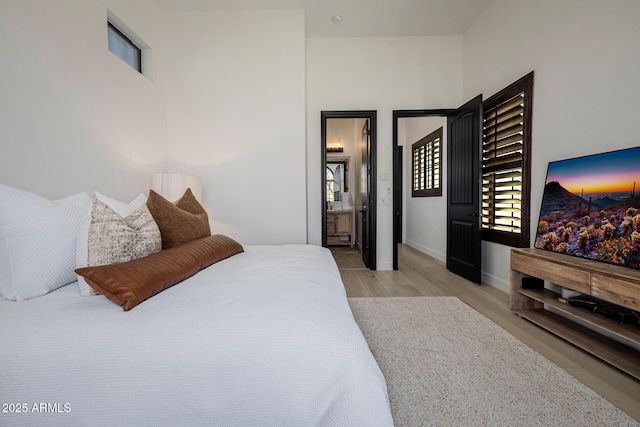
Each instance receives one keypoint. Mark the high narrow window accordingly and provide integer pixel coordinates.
(506, 160)
(122, 46)
(427, 158)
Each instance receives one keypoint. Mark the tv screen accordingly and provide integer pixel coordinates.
(591, 208)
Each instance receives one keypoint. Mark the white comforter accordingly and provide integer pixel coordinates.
(264, 338)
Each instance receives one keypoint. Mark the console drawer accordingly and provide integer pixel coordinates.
(621, 292)
(560, 274)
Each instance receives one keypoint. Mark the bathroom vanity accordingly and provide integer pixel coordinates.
(340, 227)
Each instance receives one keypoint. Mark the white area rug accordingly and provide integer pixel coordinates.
(448, 365)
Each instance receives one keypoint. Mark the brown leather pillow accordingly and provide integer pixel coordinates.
(181, 221)
(129, 283)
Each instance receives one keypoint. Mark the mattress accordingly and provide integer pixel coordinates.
(264, 338)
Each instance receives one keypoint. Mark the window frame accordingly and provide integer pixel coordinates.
(520, 239)
(430, 174)
(128, 41)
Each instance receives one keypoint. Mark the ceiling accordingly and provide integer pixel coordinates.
(361, 18)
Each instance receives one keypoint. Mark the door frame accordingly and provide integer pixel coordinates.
(372, 224)
(397, 180)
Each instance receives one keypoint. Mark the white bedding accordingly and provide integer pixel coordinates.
(264, 338)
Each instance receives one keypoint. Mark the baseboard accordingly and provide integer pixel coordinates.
(496, 282)
(380, 266)
(425, 250)
(487, 278)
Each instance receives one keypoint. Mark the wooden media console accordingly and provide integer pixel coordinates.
(619, 285)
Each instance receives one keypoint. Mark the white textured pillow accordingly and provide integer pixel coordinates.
(116, 232)
(37, 242)
(122, 208)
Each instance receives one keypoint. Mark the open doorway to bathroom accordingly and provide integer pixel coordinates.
(348, 214)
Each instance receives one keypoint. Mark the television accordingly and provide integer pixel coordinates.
(591, 208)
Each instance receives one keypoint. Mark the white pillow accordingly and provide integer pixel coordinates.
(122, 208)
(37, 242)
(114, 231)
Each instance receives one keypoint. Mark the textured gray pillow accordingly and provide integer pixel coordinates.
(116, 239)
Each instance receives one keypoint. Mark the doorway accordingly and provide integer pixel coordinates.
(348, 184)
(402, 140)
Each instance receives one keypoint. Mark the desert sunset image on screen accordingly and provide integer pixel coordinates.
(591, 208)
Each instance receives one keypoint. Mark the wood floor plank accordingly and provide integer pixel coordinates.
(353, 284)
(422, 275)
(372, 284)
(397, 284)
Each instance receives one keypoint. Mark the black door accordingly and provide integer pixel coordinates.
(397, 196)
(464, 176)
(365, 186)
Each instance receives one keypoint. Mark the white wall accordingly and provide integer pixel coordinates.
(228, 91)
(235, 116)
(73, 116)
(586, 60)
(382, 74)
(424, 218)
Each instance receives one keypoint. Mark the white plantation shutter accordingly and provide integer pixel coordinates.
(418, 168)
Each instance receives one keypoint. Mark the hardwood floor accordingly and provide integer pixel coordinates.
(347, 258)
(421, 275)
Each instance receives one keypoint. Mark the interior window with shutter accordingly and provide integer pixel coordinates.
(506, 152)
(427, 160)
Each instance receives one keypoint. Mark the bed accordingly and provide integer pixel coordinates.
(259, 336)
(265, 337)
